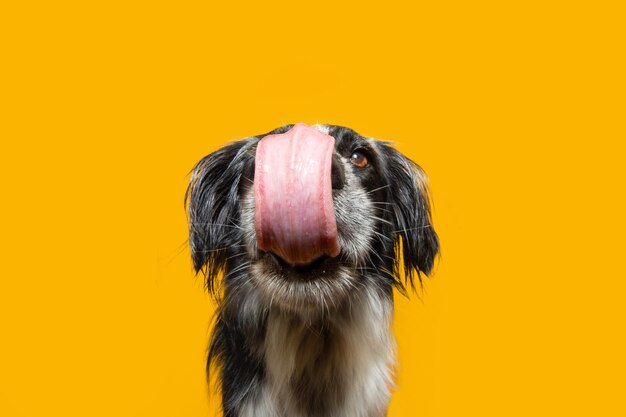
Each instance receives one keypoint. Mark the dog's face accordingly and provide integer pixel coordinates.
(379, 199)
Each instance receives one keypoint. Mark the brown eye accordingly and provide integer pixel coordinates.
(359, 159)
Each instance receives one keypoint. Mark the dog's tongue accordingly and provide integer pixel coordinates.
(294, 213)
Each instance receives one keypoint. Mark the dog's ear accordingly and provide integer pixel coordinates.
(212, 201)
(410, 215)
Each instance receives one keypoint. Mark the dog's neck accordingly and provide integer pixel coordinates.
(339, 365)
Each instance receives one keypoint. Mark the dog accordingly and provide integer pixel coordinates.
(302, 235)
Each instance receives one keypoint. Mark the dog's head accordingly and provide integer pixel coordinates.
(307, 215)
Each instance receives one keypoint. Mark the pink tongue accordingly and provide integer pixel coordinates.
(294, 213)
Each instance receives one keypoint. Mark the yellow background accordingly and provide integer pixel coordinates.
(514, 109)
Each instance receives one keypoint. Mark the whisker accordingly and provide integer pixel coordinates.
(234, 226)
(383, 236)
(178, 251)
(220, 249)
(412, 228)
(379, 188)
(383, 220)
(238, 269)
(236, 256)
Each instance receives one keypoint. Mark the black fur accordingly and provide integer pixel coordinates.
(212, 200)
(410, 216)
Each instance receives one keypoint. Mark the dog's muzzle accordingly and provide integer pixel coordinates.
(294, 212)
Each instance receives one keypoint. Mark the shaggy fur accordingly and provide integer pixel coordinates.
(310, 341)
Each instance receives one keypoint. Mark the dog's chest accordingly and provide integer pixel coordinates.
(342, 369)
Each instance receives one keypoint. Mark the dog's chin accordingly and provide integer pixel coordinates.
(317, 288)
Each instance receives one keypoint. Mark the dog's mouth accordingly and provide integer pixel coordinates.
(322, 267)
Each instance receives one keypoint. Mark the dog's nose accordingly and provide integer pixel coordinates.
(337, 175)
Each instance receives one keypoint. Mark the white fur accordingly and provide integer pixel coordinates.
(364, 359)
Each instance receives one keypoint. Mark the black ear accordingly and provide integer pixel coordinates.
(410, 215)
(212, 201)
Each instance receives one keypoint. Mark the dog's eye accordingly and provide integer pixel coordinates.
(359, 159)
